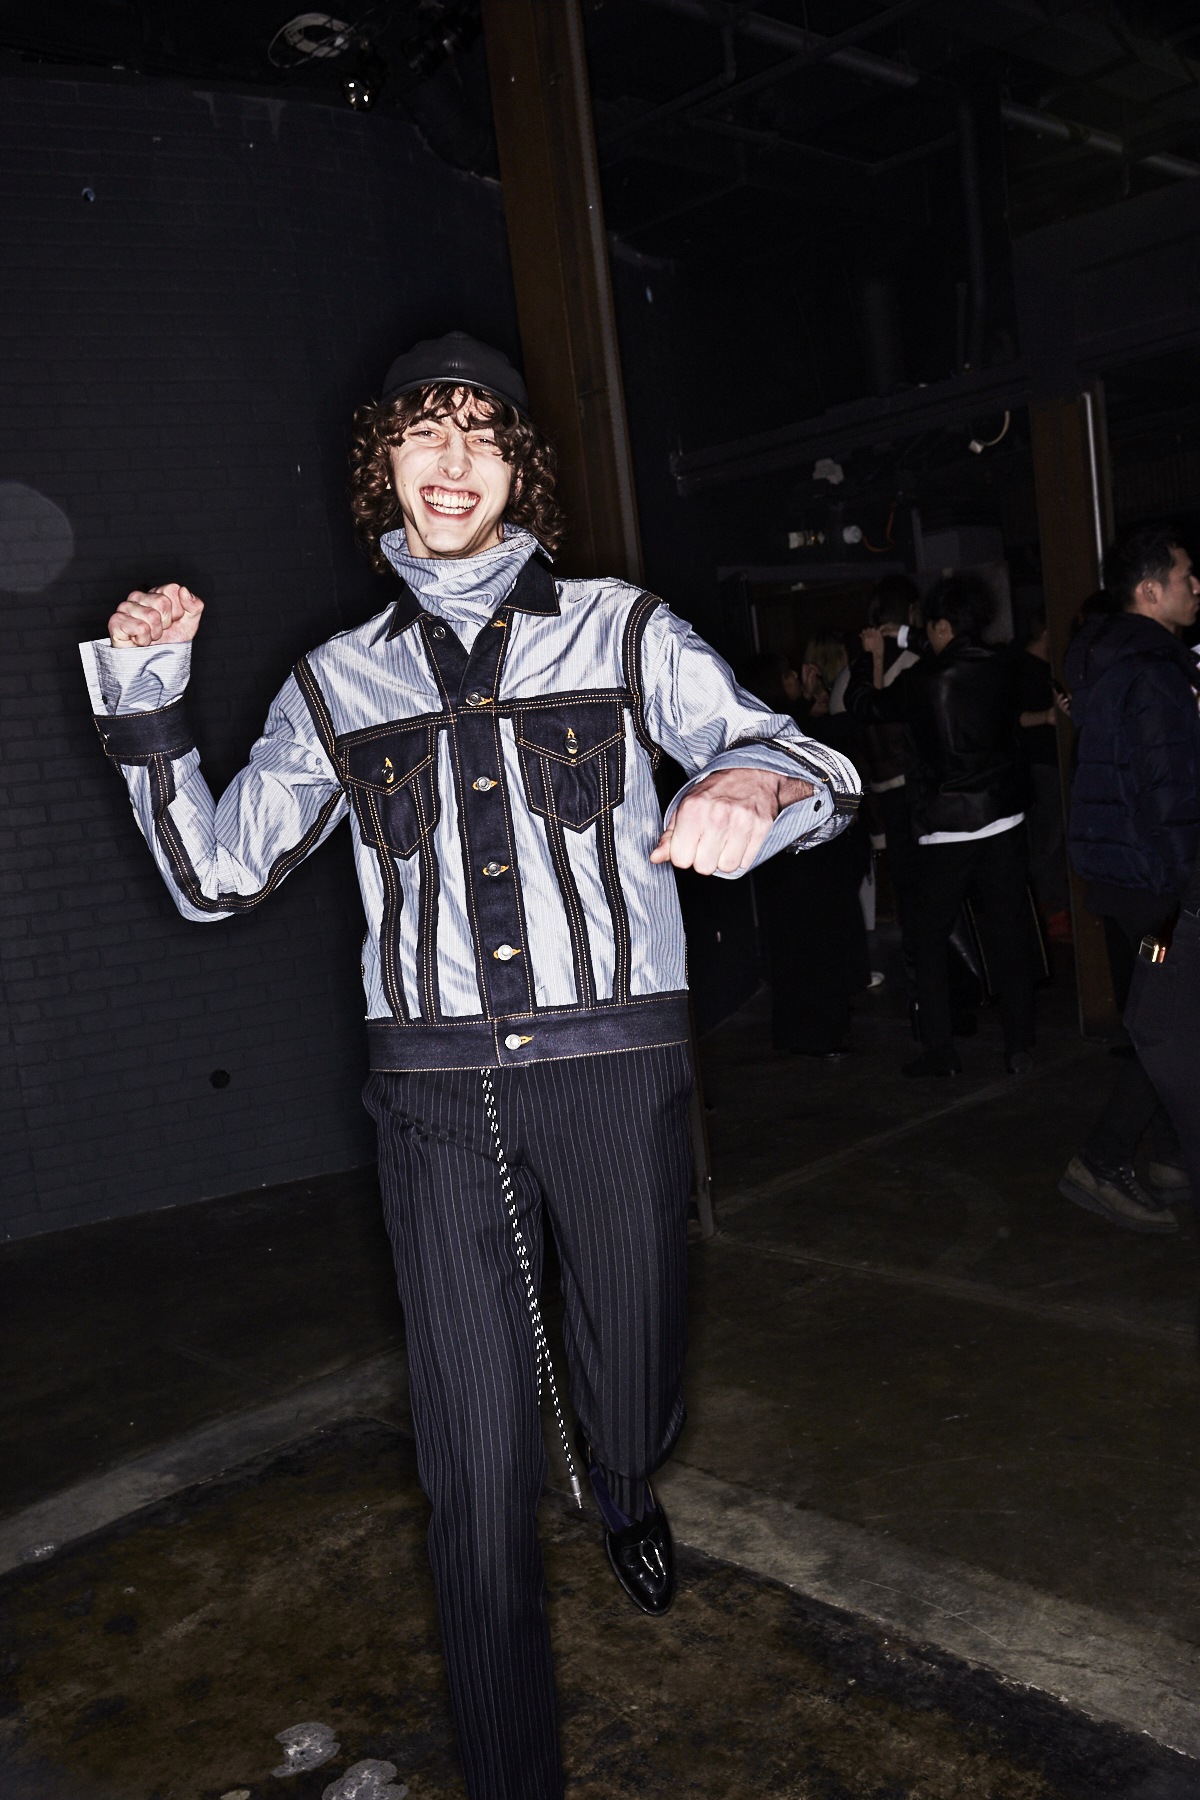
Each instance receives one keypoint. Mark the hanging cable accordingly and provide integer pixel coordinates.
(541, 1350)
(977, 446)
(889, 541)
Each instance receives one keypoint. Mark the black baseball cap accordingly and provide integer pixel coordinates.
(457, 357)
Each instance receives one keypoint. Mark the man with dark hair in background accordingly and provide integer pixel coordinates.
(1134, 834)
(965, 787)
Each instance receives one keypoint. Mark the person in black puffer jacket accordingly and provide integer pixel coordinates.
(966, 788)
(1134, 835)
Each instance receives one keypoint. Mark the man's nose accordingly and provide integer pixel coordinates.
(454, 460)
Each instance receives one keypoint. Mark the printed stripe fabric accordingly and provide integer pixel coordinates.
(604, 1143)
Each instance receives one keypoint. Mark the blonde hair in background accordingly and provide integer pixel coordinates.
(826, 652)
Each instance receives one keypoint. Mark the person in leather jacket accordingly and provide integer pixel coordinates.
(966, 790)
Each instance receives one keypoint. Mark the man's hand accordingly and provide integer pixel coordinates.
(169, 614)
(721, 824)
(872, 640)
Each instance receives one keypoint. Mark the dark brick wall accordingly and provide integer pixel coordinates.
(180, 358)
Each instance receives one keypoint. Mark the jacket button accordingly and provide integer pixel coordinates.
(439, 631)
(505, 953)
(494, 868)
(512, 1041)
(483, 785)
(474, 698)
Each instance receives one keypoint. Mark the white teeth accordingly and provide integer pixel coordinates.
(450, 504)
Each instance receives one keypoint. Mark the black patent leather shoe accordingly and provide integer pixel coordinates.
(643, 1560)
(641, 1552)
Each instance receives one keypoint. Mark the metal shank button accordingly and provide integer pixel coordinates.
(483, 785)
(439, 631)
(494, 868)
(512, 1041)
(504, 953)
(474, 698)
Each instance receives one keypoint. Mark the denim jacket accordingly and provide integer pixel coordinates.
(500, 794)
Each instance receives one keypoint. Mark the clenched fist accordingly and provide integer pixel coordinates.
(722, 823)
(169, 614)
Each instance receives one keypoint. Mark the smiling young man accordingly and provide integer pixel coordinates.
(492, 737)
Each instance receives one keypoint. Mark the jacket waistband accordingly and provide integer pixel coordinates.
(521, 1038)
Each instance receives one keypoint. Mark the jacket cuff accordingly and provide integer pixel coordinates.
(133, 680)
(135, 737)
(805, 823)
(831, 774)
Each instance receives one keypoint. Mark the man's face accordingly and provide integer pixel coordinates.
(1174, 602)
(452, 484)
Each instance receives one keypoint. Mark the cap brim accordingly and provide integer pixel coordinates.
(476, 387)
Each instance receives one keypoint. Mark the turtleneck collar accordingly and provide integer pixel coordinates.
(464, 590)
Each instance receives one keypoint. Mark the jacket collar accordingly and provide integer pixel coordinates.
(1111, 638)
(534, 592)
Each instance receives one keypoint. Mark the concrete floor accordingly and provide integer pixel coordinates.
(907, 1352)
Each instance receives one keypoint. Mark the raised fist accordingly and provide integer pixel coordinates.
(169, 614)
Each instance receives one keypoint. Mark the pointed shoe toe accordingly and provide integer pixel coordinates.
(643, 1561)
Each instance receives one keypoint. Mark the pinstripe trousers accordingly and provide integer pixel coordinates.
(604, 1142)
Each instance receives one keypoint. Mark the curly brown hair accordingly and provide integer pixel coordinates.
(382, 423)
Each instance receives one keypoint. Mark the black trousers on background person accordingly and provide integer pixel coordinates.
(604, 1142)
(903, 860)
(816, 941)
(1047, 839)
(1129, 914)
(1162, 1017)
(998, 866)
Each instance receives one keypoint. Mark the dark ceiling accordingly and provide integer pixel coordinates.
(824, 111)
(782, 146)
(830, 188)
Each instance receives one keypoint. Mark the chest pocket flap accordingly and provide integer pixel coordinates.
(393, 780)
(573, 759)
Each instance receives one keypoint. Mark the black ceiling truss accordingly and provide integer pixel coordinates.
(1139, 98)
(693, 109)
(724, 89)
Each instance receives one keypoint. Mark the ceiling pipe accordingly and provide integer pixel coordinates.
(882, 69)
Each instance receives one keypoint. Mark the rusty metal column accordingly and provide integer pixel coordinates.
(548, 169)
(1071, 475)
